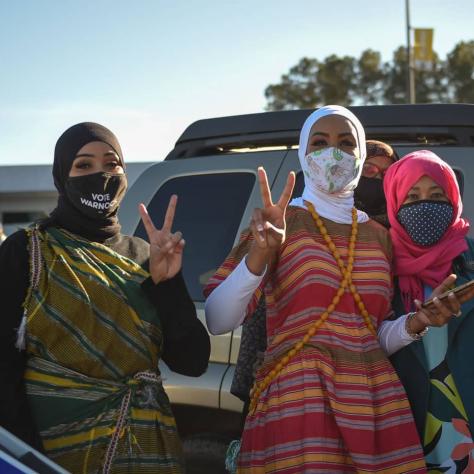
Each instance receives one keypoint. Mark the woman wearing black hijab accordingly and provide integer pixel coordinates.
(369, 195)
(86, 315)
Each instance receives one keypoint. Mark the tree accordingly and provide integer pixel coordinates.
(311, 83)
(460, 72)
(297, 89)
(335, 79)
(395, 80)
(370, 78)
(431, 84)
(344, 80)
(430, 81)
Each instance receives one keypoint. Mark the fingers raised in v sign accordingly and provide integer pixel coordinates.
(166, 249)
(288, 191)
(169, 216)
(168, 222)
(265, 189)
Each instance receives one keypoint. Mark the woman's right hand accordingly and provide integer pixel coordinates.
(166, 248)
(441, 311)
(268, 223)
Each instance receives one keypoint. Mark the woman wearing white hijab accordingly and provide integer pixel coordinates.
(326, 399)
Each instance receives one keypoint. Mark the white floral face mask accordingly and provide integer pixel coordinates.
(331, 170)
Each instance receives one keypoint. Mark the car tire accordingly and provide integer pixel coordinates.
(204, 453)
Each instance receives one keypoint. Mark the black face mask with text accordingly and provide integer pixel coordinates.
(97, 195)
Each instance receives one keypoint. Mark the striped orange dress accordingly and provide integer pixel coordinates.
(338, 406)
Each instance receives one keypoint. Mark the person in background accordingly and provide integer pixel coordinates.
(326, 398)
(87, 313)
(369, 195)
(431, 249)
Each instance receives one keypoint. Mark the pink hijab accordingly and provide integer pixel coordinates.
(413, 264)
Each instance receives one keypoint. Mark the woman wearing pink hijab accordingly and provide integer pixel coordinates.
(431, 253)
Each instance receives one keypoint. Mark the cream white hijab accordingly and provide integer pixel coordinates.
(337, 206)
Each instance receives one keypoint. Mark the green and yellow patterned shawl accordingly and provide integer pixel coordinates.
(94, 342)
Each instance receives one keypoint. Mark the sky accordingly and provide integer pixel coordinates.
(148, 68)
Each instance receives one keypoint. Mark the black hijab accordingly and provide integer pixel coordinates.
(66, 215)
(369, 195)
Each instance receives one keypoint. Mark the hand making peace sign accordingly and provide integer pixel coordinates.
(166, 249)
(268, 224)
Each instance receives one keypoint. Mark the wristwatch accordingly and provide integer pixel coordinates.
(416, 336)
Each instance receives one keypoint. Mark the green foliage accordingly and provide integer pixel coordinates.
(370, 77)
(367, 80)
(395, 78)
(297, 89)
(335, 79)
(460, 71)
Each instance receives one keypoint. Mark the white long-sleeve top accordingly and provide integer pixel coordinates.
(226, 309)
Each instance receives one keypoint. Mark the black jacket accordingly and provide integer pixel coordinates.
(410, 362)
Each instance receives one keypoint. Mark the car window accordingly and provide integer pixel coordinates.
(299, 185)
(209, 212)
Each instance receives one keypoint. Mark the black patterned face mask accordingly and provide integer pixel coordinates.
(426, 221)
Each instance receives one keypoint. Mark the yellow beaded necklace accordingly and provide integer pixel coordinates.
(350, 260)
(346, 281)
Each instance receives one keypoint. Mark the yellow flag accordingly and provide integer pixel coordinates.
(423, 50)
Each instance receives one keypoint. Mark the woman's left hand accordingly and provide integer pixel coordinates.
(166, 249)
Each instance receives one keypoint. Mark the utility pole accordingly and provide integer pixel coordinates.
(410, 65)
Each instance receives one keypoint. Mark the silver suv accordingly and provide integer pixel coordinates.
(213, 171)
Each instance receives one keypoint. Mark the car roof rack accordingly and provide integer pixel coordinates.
(404, 124)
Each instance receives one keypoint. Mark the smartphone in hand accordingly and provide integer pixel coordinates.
(463, 293)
